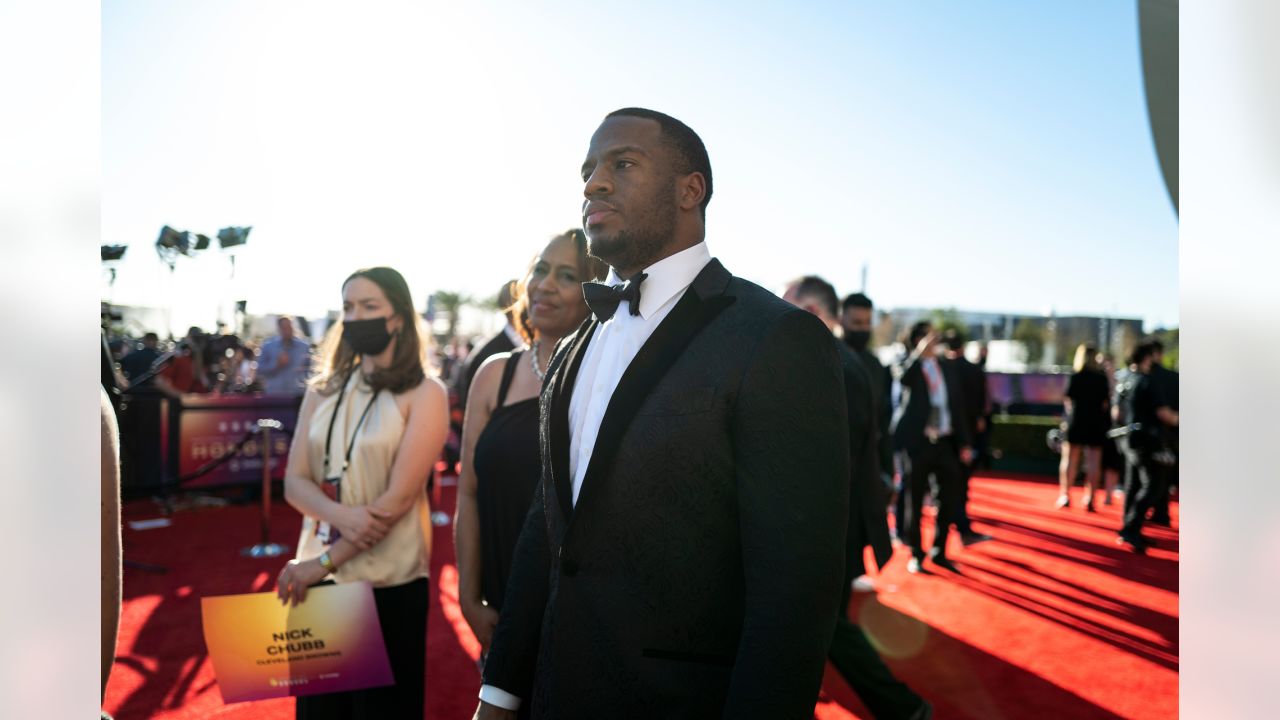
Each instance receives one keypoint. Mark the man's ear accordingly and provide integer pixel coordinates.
(692, 190)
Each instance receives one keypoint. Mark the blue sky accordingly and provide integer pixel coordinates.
(982, 155)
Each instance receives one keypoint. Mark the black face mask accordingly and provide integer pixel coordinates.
(367, 337)
(857, 339)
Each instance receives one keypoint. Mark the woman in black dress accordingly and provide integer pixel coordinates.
(1088, 418)
(500, 462)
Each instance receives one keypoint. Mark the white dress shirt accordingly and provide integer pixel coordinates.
(937, 384)
(613, 346)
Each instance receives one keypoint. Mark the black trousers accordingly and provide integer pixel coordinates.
(1160, 507)
(402, 612)
(1148, 482)
(942, 461)
(962, 499)
(857, 661)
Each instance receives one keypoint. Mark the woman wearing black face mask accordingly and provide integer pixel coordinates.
(371, 426)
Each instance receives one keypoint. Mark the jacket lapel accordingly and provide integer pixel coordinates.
(701, 303)
(557, 395)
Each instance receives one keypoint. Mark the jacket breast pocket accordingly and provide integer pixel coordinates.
(686, 401)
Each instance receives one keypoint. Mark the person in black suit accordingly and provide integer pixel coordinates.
(851, 653)
(973, 385)
(930, 433)
(685, 547)
(506, 340)
(855, 319)
(1149, 413)
(1167, 381)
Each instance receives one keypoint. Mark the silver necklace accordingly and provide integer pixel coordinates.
(533, 363)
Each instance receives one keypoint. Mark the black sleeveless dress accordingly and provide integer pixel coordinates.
(1089, 421)
(507, 470)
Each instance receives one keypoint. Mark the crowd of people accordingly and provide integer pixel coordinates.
(201, 362)
(660, 463)
(1122, 424)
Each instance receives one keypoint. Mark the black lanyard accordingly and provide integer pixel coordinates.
(352, 444)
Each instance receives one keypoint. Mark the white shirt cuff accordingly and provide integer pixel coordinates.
(499, 698)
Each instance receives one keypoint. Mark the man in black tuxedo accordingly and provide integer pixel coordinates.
(973, 386)
(930, 433)
(851, 653)
(683, 554)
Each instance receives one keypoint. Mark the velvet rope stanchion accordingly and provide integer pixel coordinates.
(266, 548)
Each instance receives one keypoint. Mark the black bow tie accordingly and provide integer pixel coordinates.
(603, 299)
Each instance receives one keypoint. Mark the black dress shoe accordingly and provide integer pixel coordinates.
(1137, 545)
(973, 538)
(924, 713)
(942, 562)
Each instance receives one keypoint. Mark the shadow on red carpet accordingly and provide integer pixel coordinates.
(1050, 619)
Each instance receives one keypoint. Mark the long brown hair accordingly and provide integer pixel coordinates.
(337, 359)
(590, 268)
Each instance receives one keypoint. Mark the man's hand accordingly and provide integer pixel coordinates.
(925, 347)
(982, 425)
(485, 711)
(282, 360)
(364, 525)
(482, 619)
(966, 454)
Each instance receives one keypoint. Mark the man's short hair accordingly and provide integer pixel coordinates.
(954, 339)
(857, 300)
(917, 333)
(152, 337)
(690, 153)
(1157, 346)
(506, 295)
(507, 300)
(1142, 351)
(814, 287)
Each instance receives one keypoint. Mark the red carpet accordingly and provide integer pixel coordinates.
(1050, 619)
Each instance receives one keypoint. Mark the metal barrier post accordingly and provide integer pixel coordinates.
(266, 548)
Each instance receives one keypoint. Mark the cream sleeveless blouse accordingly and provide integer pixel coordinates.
(404, 554)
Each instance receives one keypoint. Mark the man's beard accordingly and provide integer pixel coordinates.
(636, 248)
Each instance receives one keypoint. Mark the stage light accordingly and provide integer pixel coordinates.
(171, 244)
(111, 253)
(168, 237)
(174, 241)
(229, 237)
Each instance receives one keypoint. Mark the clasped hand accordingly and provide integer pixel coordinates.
(363, 525)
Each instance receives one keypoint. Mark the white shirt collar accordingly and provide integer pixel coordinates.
(667, 277)
(513, 335)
